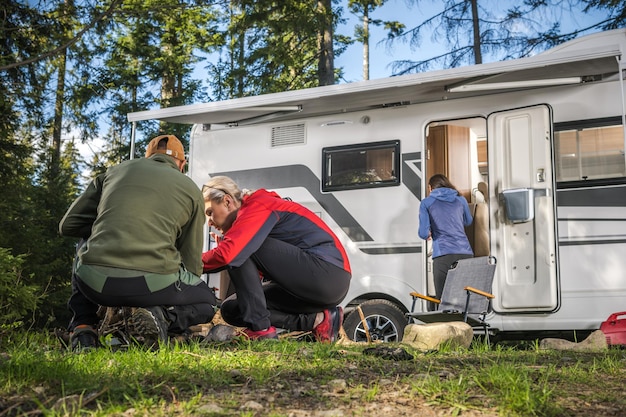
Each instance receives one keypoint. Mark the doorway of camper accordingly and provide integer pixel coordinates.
(458, 149)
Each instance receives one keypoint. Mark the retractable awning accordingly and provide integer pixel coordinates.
(565, 64)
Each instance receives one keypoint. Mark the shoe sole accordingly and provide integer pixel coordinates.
(83, 340)
(143, 326)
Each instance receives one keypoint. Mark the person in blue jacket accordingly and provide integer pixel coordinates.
(443, 216)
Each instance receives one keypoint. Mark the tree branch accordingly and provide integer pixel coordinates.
(65, 45)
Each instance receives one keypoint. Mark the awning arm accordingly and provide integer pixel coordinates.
(132, 140)
(257, 119)
(621, 65)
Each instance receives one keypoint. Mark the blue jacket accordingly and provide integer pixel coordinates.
(445, 214)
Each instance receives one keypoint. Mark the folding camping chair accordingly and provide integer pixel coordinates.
(466, 295)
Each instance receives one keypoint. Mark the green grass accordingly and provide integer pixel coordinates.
(38, 377)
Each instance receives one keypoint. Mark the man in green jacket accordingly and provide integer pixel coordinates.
(141, 229)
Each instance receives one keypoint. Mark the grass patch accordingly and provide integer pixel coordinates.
(287, 377)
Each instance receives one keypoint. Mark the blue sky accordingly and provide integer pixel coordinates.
(411, 15)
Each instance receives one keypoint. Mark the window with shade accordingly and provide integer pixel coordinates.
(588, 153)
(366, 165)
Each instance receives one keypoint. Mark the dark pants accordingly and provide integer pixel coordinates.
(297, 287)
(185, 305)
(441, 265)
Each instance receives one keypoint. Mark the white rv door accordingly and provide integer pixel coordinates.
(522, 209)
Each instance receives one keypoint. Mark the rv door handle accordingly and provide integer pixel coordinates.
(541, 175)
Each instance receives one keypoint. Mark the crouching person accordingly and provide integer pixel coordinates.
(305, 269)
(142, 228)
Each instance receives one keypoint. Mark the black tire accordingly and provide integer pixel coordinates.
(384, 319)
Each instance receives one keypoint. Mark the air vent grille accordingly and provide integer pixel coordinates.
(288, 135)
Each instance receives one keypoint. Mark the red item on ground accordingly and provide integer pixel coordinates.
(614, 328)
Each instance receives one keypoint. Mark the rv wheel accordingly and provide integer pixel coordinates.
(385, 322)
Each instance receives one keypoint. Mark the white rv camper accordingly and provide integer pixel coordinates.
(535, 144)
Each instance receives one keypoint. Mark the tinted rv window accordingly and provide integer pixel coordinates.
(375, 164)
(586, 153)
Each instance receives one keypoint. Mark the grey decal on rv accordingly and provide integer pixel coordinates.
(603, 241)
(412, 172)
(391, 250)
(609, 196)
(301, 176)
(613, 196)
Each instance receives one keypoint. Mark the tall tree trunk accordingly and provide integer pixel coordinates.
(478, 56)
(57, 126)
(326, 65)
(168, 82)
(241, 59)
(237, 57)
(167, 89)
(366, 44)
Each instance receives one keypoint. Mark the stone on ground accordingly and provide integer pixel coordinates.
(433, 336)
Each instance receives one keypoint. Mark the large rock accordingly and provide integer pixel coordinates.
(432, 336)
(595, 342)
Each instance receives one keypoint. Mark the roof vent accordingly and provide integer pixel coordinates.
(288, 135)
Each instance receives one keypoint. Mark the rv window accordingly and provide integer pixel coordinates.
(366, 165)
(589, 153)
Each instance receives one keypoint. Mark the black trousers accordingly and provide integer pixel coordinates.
(441, 265)
(296, 287)
(185, 305)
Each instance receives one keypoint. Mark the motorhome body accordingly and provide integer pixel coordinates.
(544, 134)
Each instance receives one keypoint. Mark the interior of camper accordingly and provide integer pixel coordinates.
(458, 149)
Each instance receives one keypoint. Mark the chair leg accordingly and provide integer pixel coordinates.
(467, 300)
(486, 334)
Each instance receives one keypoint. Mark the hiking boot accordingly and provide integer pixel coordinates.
(328, 330)
(83, 338)
(149, 326)
(269, 333)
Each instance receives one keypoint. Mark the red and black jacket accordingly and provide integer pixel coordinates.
(265, 214)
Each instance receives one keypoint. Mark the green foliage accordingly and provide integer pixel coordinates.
(51, 255)
(17, 298)
(24, 36)
(272, 47)
(144, 56)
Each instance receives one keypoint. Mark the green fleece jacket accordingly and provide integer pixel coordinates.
(143, 214)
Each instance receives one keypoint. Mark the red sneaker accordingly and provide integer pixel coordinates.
(269, 333)
(328, 330)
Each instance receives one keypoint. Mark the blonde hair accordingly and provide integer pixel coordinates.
(217, 187)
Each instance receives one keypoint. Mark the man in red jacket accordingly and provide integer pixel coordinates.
(305, 269)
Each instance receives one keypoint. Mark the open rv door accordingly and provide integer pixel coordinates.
(522, 210)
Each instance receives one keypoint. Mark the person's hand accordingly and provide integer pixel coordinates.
(216, 237)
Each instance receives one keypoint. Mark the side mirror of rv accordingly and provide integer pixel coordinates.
(519, 204)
